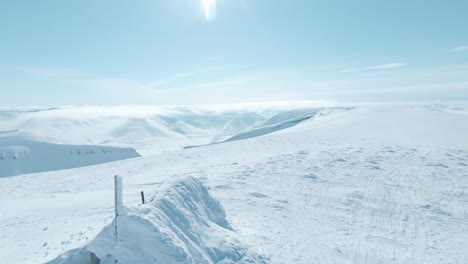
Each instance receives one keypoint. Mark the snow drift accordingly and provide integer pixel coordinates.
(20, 156)
(181, 224)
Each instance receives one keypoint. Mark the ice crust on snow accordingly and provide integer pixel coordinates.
(182, 223)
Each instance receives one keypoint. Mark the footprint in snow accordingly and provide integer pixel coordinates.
(426, 206)
(277, 207)
(311, 177)
(222, 187)
(441, 212)
(440, 165)
(258, 195)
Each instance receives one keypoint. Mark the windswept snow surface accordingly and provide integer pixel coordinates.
(367, 185)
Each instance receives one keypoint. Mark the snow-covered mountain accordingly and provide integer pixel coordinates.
(381, 184)
(147, 129)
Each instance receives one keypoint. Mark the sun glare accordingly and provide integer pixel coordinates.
(209, 9)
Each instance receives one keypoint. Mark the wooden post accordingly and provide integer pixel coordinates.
(142, 197)
(118, 201)
(94, 259)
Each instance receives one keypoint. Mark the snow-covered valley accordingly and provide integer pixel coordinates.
(368, 184)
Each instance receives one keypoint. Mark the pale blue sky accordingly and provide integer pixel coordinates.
(56, 52)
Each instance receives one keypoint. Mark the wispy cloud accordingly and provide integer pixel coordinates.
(212, 85)
(376, 67)
(420, 92)
(459, 49)
(386, 66)
(197, 86)
(444, 87)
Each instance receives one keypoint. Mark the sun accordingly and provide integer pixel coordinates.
(209, 9)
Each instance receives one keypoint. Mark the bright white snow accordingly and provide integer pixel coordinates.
(181, 224)
(147, 129)
(365, 185)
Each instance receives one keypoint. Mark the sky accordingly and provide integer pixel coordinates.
(109, 52)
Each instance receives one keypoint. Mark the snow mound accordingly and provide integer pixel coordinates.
(182, 224)
(20, 156)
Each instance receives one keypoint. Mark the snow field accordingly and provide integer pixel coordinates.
(368, 185)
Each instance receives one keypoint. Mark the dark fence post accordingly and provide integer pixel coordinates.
(94, 259)
(142, 197)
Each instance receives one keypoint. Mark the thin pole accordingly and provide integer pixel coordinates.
(142, 197)
(118, 201)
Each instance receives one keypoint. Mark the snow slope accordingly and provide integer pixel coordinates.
(20, 156)
(368, 185)
(277, 122)
(268, 129)
(282, 121)
(285, 116)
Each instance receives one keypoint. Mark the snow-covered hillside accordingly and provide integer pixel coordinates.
(284, 120)
(20, 156)
(147, 129)
(362, 185)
